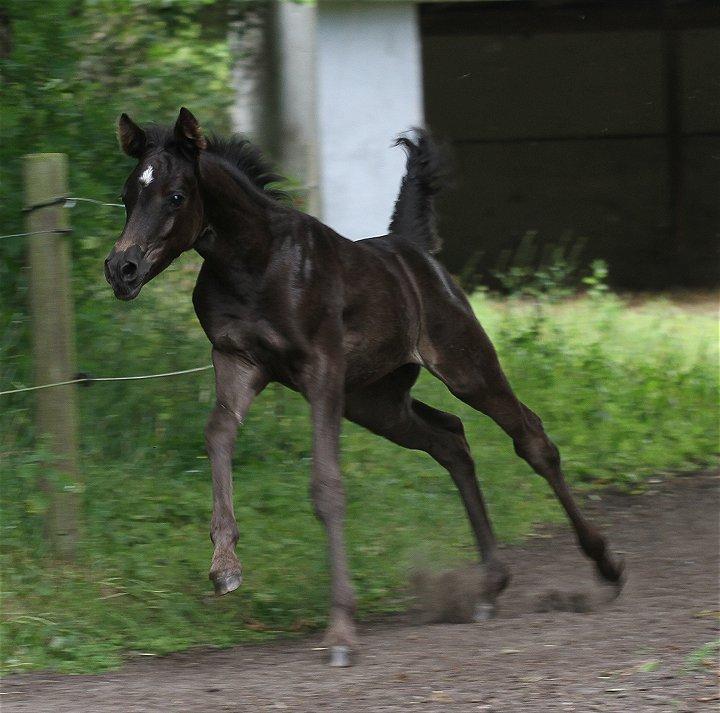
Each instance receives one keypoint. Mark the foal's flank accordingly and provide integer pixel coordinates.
(283, 298)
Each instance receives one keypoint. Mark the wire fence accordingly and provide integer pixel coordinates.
(86, 379)
(70, 202)
(65, 202)
(33, 232)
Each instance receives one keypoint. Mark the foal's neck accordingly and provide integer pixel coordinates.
(237, 217)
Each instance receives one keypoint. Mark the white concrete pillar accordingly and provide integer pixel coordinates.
(295, 57)
(253, 107)
(368, 90)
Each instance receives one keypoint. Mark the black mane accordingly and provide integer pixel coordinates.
(237, 151)
(248, 159)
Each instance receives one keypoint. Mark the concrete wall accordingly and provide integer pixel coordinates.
(295, 58)
(368, 90)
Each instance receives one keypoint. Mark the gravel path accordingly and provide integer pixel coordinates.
(626, 655)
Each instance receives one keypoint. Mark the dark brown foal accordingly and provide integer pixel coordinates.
(284, 298)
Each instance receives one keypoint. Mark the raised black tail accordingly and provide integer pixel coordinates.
(413, 217)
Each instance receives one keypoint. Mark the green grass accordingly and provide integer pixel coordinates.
(705, 655)
(625, 392)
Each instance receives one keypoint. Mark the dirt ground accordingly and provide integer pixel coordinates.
(628, 655)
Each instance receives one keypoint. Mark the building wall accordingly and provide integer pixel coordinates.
(594, 127)
(369, 89)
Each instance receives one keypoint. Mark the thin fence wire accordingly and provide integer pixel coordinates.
(92, 379)
(66, 202)
(34, 232)
(69, 202)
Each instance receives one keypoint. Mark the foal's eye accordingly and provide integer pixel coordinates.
(176, 199)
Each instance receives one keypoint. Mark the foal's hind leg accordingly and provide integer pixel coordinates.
(480, 382)
(386, 408)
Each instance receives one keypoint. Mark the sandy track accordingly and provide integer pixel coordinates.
(627, 655)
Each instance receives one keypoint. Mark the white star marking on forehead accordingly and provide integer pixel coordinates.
(147, 176)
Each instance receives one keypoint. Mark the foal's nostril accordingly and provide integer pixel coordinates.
(128, 270)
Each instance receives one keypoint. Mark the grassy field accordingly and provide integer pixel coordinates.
(624, 391)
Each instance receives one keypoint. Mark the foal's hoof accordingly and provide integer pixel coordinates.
(340, 656)
(225, 582)
(613, 573)
(484, 612)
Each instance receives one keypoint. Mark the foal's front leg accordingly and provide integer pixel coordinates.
(326, 395)
(237, 382)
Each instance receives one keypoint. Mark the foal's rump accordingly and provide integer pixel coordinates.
(451, 342)
(402, 306)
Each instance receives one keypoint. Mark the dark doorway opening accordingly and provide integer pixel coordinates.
(580, 123)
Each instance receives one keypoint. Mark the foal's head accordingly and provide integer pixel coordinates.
(164, 209)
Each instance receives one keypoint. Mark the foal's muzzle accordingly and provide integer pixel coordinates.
(126, 271)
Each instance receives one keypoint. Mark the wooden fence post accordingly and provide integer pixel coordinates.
(53, 342)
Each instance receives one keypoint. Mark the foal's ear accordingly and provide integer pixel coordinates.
(188, 132)
(132, 138)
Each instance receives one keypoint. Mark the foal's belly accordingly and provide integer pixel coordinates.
(381, 334)
(372, 354)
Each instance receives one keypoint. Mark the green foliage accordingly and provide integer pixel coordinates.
(536, 268)
(706, 655)
(596, 281)
(74, 67)
(552, 272)
(625, 392)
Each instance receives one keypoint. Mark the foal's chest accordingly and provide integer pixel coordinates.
(236, 325)
(247, 334)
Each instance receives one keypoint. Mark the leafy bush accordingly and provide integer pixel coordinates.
(625, 392)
